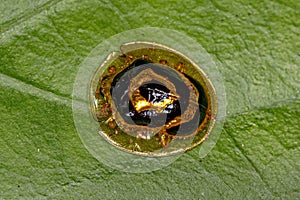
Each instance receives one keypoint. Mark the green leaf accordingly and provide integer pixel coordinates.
(256, 46)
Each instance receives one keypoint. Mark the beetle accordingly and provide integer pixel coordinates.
(153, 97)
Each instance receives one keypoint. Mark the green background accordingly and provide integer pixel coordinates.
(256, 45)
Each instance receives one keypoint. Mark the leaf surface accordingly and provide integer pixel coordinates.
(256, 47)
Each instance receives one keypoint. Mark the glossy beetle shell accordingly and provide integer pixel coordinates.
(152, 100)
